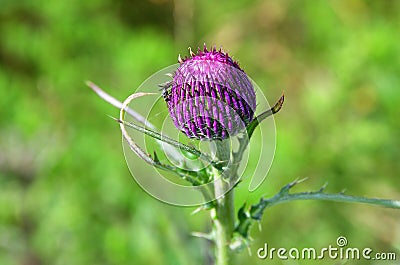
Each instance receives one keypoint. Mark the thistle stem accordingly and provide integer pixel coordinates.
(223, 214)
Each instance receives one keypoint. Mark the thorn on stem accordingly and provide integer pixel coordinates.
(203, 235)
(323, 187)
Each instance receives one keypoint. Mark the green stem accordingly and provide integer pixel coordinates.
(223, 219)
(223, 214)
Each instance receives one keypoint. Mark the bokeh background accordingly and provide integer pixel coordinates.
(66, 194)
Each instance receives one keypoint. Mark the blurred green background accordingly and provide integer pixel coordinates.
(66, 195)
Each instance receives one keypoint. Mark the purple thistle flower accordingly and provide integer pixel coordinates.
(210, 96)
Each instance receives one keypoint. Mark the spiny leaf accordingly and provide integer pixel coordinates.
(172, 142)
(255, 213)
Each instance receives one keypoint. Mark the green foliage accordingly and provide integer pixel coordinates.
(66, 195)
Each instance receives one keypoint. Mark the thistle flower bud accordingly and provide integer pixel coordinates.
(210, 96)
